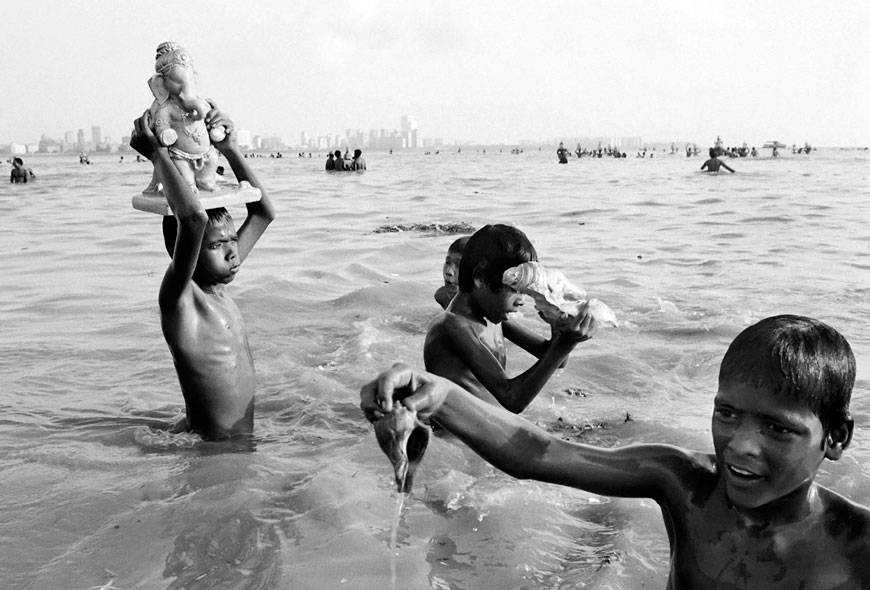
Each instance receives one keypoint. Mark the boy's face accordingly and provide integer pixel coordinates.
(451, 267)
(496, 306)
(219, 254)
(766, 445)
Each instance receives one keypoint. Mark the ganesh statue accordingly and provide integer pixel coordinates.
(178, 117)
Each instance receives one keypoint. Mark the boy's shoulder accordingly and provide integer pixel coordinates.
(455, 322)
(189, 298)
(847, 519)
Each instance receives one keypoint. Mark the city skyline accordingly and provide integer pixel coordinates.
(404, 137)
(485, 73)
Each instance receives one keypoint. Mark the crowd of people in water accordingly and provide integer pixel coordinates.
(713, 164)
(335, 162)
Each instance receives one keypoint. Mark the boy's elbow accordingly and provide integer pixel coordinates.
(196, 217)
(513, 406)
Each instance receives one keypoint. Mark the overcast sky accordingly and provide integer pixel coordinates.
(492, 71)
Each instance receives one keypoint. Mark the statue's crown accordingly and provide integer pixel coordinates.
(169, 55)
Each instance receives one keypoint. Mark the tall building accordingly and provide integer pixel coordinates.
(96, 135)
(81, 138)
(69, 137)
(409, 131)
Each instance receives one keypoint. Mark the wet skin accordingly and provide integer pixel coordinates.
(466, 345)
(206, 334)
(202, 325)
(762, 524)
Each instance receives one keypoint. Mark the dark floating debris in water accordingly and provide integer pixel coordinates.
(576, 392)
(439, 228)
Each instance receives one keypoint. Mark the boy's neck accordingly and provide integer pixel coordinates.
(217, 289)
(790, 509)
(463, 304)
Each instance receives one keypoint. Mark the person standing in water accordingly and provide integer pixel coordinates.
(201, 323)
(562, 153)
(714, 163)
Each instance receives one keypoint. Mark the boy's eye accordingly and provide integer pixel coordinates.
(724, 414)
(778, 428)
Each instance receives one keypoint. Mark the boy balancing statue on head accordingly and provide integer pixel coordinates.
(201, 323)
(466, 344)
(750, 515)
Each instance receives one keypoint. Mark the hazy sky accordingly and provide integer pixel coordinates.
(490, 71)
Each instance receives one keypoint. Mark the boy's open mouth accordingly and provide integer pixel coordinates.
(741, 474)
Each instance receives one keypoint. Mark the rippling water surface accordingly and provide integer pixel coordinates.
(95, 489)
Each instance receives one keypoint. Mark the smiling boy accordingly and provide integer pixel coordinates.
(466, 344)
(201, 323)
(750, 515)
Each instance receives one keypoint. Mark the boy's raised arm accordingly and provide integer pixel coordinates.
(260, 213)
(515, 394)
(518, 447)
(185, 205)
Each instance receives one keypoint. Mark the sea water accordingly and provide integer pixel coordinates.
(96, 490)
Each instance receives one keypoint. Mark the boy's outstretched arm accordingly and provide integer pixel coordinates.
(518, 447)
(260, 213)
(186, 207)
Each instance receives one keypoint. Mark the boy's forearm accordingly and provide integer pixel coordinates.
(505, 440)
(239, 165)
(243, 172)
(525, 388)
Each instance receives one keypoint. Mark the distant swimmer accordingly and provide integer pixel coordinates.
(562, 153)
(20, 174)
(714, 163)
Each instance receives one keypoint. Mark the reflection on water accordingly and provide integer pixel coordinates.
(99, 486)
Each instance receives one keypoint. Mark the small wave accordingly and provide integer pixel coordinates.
(159, 439)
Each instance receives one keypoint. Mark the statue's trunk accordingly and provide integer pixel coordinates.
(195, 106)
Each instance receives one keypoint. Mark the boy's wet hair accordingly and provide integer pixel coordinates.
(458, 245)
(490, 251)
(170, 226)
(18, 161)
(797, 356)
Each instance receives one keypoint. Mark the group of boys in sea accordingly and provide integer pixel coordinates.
(748, 515)
(335, 162)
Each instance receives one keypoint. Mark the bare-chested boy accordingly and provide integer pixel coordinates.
(714, 163)
(748, 516)
(466, 344)
(201, 323)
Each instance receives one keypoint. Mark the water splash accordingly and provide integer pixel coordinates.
(394, 554)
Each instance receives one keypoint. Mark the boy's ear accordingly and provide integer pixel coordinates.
(478, 276)
(838, 438)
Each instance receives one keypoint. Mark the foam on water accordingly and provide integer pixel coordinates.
(94, 472)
